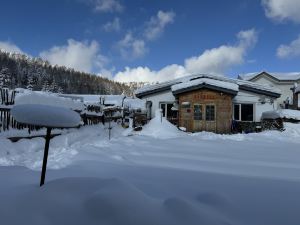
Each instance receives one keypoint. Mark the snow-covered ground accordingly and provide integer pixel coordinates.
(157, 176)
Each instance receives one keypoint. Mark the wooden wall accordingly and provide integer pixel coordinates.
(223, 108)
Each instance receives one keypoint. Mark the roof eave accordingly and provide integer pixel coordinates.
(211, 87)
(258, 91)
(150, 92)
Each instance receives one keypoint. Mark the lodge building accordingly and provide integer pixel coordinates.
(205, 102)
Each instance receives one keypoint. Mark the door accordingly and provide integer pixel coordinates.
(198, 117)
(210, 118)
(204, 117)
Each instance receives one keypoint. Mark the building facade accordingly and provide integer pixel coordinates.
(209, 103)
(286, 82)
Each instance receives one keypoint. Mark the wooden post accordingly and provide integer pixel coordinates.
(109, 125)
(46, 150)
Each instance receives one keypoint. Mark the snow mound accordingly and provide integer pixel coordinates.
(282, 113)
(108, 201)
(45, 98)
(160, 127)
(45, 115)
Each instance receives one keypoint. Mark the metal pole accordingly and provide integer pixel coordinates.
(46, 150)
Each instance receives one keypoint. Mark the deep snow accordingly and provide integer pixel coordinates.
(148, 178)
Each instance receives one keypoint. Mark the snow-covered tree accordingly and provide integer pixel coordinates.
(30, 82)
(5, 77)
(46, 86)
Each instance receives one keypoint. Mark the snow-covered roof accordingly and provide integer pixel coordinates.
(114, 100)
(242, 84)
(293, 76)
(205, 81)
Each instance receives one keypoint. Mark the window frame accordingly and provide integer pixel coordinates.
(214, 119)
(166, 108)
(201, 111)
(240, 112)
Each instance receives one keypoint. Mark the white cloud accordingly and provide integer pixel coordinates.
(216, 61)
(112, 25)
(281, 10)
(155, 27)
(131, 47)
(82, 56)
(10, 47)
(108, 6)
(290, 50)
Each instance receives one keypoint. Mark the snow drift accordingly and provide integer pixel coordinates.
(160, 127)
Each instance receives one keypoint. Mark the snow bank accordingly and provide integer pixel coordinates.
(282, 113)
(160, 127)
(83, 200)
(45, 98)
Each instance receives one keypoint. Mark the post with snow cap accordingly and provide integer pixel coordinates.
(45, 116)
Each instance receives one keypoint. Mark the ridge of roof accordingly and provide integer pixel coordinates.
(150, 89)
(291, 76)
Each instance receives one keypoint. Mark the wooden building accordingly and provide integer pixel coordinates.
(209, 103)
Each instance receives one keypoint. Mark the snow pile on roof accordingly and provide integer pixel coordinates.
(135, 103)
(160, 127)
(192, 78)
(278, 76)
(115, 100)
(264, 87)
(282, 113)
(203, 81)
(46, 98)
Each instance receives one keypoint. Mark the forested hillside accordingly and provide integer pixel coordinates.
(17, 70)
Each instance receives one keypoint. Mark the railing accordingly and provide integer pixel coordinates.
(7, 96)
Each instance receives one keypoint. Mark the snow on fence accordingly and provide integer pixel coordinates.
(91, 112)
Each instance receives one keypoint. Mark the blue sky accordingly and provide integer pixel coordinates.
(154, 40)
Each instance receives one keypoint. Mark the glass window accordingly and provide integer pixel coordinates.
(163, 108)
(185, 105)
(236, 112)
(169, 110)
(243, 112)
(197, 112)
(247, 112)
(210, 113)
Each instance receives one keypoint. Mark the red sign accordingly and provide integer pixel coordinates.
(204, 96)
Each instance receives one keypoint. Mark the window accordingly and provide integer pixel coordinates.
(236, 112)
(167, 109)
(210, 113)
(163, 109)
(243, 112)
(247, 112)
(197, 112)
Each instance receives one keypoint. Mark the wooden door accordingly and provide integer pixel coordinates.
(204, 118)
(198, 116)
(210, 117)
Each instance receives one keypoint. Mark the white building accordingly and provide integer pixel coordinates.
(194, 97)
(283, 81)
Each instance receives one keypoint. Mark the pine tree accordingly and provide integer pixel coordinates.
(30, 82)
(46, 87)
(5, 78)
